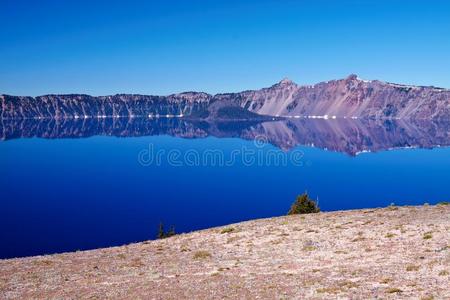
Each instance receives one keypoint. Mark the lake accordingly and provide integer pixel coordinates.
(83, 184)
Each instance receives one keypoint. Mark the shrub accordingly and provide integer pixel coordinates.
(303, 205)
(427, 236)
(227, 230)
(202, 254)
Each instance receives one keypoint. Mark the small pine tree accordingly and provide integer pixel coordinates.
(171, 232)
(303, 205)
(161, 233)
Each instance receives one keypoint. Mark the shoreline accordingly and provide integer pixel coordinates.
(208, 229)
(393, 252)
(198, 230)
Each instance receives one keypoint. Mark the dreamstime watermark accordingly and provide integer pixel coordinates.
(258, 155)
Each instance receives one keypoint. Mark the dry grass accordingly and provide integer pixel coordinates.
(202, 255)
(412, 268)
(393, 290)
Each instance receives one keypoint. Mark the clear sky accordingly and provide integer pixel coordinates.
(163, 47)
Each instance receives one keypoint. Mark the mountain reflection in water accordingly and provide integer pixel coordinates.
(340, 135)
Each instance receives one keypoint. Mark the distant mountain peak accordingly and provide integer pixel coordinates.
(352, 77)
(285, 81)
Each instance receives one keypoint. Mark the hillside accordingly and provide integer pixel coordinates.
(389, 253)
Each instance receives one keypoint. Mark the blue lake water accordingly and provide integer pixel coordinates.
(67, 194)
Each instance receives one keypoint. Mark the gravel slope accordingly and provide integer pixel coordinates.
(389, 253)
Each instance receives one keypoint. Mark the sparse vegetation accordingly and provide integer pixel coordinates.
(202, 254)
(348, 284)
(443, 203)
(394, 290)
(162, 234)
(309, 248)
(427, 236)
(227, 230)
(359, 239)
(303, 205)
(392, 207)
(44, 262)
(284, 256)
(233, 239)
(412, 268)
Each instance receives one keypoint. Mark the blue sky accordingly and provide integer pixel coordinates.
(163, 47)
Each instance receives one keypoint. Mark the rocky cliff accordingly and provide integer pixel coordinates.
(346, 98)
(350, 97)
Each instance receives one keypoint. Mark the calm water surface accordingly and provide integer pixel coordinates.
(71, 194)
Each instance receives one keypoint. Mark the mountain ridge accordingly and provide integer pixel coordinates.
(350, 97)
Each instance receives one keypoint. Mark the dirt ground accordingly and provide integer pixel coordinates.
(387, 253)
